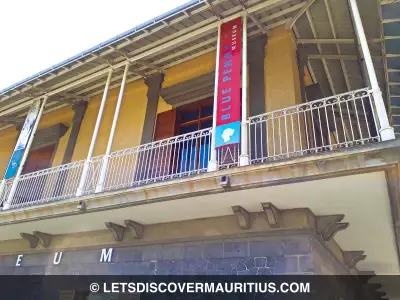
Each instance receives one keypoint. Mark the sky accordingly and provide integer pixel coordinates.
(35, 35)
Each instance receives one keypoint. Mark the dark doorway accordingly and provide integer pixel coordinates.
(191, 118)
(39, 159)
(32, 189)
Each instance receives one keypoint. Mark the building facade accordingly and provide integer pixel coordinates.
(115, 161)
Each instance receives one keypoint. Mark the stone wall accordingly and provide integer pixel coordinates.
(244, 256)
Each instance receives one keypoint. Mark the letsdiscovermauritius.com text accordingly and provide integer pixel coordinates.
(201, 287)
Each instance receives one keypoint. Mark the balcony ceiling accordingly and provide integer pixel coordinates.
(190, 31)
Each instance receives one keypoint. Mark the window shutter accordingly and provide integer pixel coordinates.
(155, 162)
(165, 125)
(161, 156)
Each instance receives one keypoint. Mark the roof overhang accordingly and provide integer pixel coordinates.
(191, 31)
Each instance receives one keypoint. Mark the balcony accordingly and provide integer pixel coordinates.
(324, 125)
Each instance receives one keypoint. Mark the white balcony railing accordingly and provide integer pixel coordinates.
(181, 155)
(322, 125)
(47, 185)
(325, 124)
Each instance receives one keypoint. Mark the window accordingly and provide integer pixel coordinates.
(195, 116)
(191, 118)
(182, 156)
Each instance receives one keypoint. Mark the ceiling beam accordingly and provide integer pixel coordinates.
(138, 73)
(300, 13)
(12, 120)
(116, 79)
(151, 66)
(212, 9)
(253, 18)
(72, 96)
(159, 61)
(336, 56)
(102, 59)
(383, 52)
(309, 67)
(67, 98)
(390, 20)
(384, 2)
(333, 41)
(342, 64)
(325, 65)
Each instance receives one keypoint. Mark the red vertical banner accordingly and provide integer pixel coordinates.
(229, 78)
(230, 58)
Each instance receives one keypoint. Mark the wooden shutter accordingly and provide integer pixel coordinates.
(165, 125)
(155, 162)
(161, 156)
(39, 159)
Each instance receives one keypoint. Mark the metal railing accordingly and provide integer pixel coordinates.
(178, 156)
(47, 185)
(228, 156)
(322, 125)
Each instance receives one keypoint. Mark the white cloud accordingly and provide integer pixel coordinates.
(35, 35)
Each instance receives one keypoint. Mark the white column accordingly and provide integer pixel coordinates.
(103, 172)
(386, 131)
(213, 164)
(81, 187)
(24, 156)
(244, 141)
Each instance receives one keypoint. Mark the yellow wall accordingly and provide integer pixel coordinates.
(307, 77)
(188, 70)
(9, 136)
(130, 122)
(129, 126)
(131, 119)
(282, 89)
(282, 85)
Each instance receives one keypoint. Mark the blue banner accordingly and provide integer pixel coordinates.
(227, 134)
(14, 163)
(23, 138)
